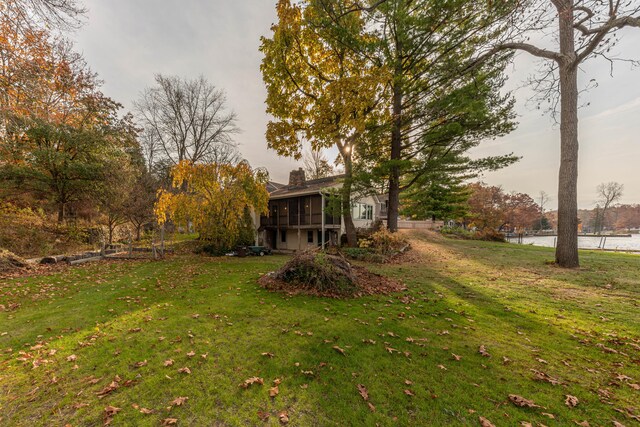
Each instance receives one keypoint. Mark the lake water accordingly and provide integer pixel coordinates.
(619, 243)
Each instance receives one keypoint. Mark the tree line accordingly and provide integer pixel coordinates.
(71, 151)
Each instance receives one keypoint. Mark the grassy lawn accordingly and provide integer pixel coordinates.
(416, 353)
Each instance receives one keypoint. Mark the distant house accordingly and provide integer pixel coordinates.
(298, 217)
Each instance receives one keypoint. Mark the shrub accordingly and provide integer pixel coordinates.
(364, 254)
(486, 234)
(384, 242)
(490, 235)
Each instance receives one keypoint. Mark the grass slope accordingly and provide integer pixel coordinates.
(580, 327)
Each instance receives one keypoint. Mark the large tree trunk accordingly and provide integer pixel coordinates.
(567, 249)
(61, 212)
(138, 228)
(396, 151)
(347, 212)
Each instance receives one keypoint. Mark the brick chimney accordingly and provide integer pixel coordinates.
(297, 178)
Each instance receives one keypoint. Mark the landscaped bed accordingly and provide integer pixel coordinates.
(483, 330)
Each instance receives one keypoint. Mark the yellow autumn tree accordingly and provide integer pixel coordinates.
(318, 89)
(215, 198)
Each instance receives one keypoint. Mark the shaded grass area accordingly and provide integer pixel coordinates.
(580, 327)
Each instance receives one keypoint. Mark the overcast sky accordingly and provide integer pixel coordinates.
(127, 41)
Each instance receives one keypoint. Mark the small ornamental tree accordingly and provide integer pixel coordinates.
(214, 197)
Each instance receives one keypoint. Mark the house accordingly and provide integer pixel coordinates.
(298, 217)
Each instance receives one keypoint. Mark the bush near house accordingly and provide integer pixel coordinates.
(379, 247)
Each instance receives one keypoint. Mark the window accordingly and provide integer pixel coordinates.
(283, 236)
(310, 236)
(362, 211)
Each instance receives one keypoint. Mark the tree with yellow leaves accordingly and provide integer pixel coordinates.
(318, 90)
(215, 198)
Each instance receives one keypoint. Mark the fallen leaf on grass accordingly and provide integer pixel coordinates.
(408, 382)
(141, 364)
(79, 405)
(483, 351)
(273, 391)
(168, 362)
(371, 407)
(169, 421)
(339, 350)
(283, 417)
(191, 353)
(456, 357)
(541, 376)
(485, 422)
(251, 381)
(571, 401)
(146, 411)
(72, 358)
(363, 392)
(444, 368)
(184, 370)
(109, 412)
(635, 386)
(546, 414)
(522, 402)
(179, 401)
(113, 385)
(269, 355)
(263, 415)
(583, 423)
(408, 392)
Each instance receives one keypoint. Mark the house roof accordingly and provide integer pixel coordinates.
(273, 186)
(313, 186)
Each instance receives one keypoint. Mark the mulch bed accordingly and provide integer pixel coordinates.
(367, 283)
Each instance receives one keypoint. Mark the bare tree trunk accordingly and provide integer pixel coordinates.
(61, 212)
(138, 227)
(567, 249)
(347, 212)
(394, 175)
(111, 230)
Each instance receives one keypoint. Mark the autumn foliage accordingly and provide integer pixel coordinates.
(491, 207)
(214, 197)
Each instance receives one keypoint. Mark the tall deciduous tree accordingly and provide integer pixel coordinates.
(585, 29)
(215, 200)
(318, 89)
(138, 206)
(608, 193)
(64, 164)
(60, 14)
(187, 120)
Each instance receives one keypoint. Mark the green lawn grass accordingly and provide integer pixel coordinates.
(581, 327)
